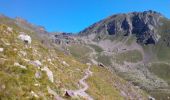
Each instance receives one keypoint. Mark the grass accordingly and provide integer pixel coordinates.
(160, 95)
(131, 40)
(101, 84)
(133, 56)
(162, 48)
(83, 50)
(161, 70)
(23, 80)
(17, 83)
(96, 48)
(104, 59)
(80, 52)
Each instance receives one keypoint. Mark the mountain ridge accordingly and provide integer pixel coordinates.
(142, 24)
(132, 46)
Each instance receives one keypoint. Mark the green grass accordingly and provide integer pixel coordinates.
(96, 48)
(161, 70)
(160, 95)
(163, 53)
(17, 83)
(162, 48)
(104, 59)
(80, 52)
(130, 40)
(101, 85)
(133, 56)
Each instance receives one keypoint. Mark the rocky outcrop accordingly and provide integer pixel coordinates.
(49, 73)
(1, 49)
(25, 38)
(143, 24)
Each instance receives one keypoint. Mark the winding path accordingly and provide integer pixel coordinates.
(82, 91)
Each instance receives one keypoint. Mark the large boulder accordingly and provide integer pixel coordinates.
(25, 38)
(1, 49)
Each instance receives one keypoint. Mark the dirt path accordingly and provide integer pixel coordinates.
(82, 91)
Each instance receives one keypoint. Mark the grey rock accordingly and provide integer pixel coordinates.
(142, 24)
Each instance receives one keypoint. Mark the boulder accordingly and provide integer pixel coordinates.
(1, 49)
(49, 73)
(21, 66)
(36, 63)
(65, 64)
(151, 98)
(10, 29)
(25, 38)
(101, 65)
(38, 74)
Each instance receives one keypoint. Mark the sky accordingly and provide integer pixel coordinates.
(75, 15)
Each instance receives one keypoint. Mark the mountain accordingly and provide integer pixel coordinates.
(34, 67)
(143, 24)
(134, 46)
(125, 56)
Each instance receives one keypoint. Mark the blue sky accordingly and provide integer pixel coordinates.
(75, 15)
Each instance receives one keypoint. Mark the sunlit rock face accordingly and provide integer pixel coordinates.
(25, 38)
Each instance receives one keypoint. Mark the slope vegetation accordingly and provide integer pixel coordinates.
(32, 69)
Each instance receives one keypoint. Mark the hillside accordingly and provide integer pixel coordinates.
(134, 45)
(32, 67)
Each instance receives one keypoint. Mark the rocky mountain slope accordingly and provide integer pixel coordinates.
(134, 46)
(33, 67)
(144, 25)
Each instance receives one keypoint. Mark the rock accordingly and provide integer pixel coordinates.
(34, 94)
(25, 38)
(1, 49)
(36, 63)
(123, 94)
(101, 65)
(89, 64)
(23, 53)
(69, 94)
(21, 66)
(15, 49)
(49, 60)
(10, 29)
(49, 73)
(36, 84)
(2, 61)
(65, 64)
(38, 74)
(151, 98)
(50, 91)
(143, 25)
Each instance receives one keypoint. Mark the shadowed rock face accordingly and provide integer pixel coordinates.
(142, 24)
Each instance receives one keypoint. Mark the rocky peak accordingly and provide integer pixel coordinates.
(142, 24)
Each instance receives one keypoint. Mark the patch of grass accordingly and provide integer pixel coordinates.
(161, 70)
(133, 56)
(105, 59)
(163, 53)
(101, 85)
(96, 48)
(160, 95)
(80, 52)
(130, 40)
(162, 48)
